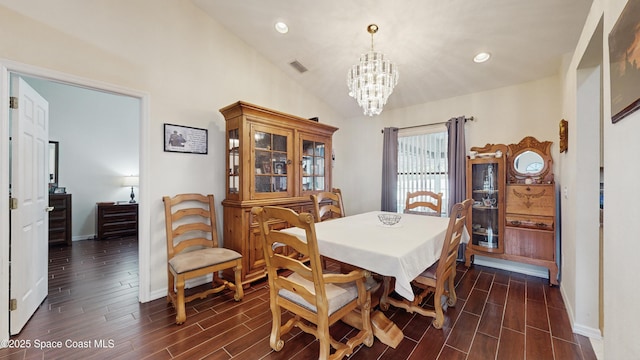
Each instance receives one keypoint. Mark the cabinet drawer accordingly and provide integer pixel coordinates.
(116, 220)
(536, 244)
(125, 217)
(530, 222)
(58, 204)
(531, 199)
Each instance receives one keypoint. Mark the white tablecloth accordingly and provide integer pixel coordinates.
(403, 251)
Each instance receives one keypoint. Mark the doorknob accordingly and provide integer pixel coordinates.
(49, 209)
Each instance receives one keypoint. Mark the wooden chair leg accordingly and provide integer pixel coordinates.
(181, 315)
(437, 304)
(324, 338)
(274, 340)
(238, 281)
(366, 321)
(453, 298)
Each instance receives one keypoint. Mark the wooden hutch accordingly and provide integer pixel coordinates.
(272, 158)
(520, 224)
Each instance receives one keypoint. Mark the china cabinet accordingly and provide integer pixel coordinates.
(486, 186)
(528, 221)
(272, 158)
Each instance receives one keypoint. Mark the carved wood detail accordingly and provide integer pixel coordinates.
(490, 148)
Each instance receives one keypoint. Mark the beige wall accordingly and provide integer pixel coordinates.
(621, 244)
(190, 67)
(187, 64)
(503, 115)
(620, 210)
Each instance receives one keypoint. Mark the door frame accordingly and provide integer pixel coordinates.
(9, 66)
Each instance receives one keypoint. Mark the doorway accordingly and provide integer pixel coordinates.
(7, 67)
(589, 175)
(97, 137)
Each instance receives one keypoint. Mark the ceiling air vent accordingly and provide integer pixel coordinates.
(298, 66)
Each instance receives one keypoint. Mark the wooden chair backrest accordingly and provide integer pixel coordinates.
(276, 261)
(455, 229)
(426, 199)
(333, 209)
(190, 221)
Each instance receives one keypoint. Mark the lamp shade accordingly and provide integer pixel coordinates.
(130, 181)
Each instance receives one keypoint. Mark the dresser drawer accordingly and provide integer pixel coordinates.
(531, 199)
(116, 220)
(530, 222)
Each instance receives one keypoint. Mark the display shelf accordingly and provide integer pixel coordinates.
(273, 158)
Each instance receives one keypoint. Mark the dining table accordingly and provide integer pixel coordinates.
(401, 251)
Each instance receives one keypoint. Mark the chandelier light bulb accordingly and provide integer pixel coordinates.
(372, 79)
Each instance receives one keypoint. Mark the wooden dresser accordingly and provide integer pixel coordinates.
(272, 158)
(530, 225)
(116, 220)
(60, 219)
(527, 233)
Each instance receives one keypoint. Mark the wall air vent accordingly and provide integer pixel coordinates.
(298, 66)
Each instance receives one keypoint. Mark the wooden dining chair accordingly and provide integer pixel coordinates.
(439, 277)
(328, 205)
(192, 250)
(423, 203)
(316, 299)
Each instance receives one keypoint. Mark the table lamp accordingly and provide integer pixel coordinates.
(131, 181)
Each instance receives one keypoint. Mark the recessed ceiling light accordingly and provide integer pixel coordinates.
(482, 57)
(281, 27)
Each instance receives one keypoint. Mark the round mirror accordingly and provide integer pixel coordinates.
(528, 162)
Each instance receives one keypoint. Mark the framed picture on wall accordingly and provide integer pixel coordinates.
(624, 62)
(185, 139)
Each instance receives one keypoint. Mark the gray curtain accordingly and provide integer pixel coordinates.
(457, 166)
(389, 170)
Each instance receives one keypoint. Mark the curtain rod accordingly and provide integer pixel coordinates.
(438, 123)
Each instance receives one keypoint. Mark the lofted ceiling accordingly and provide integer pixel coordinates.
(432, 42)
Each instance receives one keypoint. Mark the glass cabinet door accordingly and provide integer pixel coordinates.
(271, 177)
(233, 181)
(313, 165)
(485, 191)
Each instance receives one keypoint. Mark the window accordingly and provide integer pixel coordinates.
(422, 162)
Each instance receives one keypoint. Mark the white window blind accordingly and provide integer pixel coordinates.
(422, 162)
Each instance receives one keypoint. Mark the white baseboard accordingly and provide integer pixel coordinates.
(587, 331)
(507, 265)
(157, 294)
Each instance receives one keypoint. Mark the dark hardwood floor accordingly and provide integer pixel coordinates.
(92, 312)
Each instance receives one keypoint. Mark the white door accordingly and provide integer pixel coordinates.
(29, 249)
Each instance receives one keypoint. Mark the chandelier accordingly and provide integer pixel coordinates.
(372, 80)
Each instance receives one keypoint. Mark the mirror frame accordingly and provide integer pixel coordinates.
(527, 158)
(56, 160)
(529, 143)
